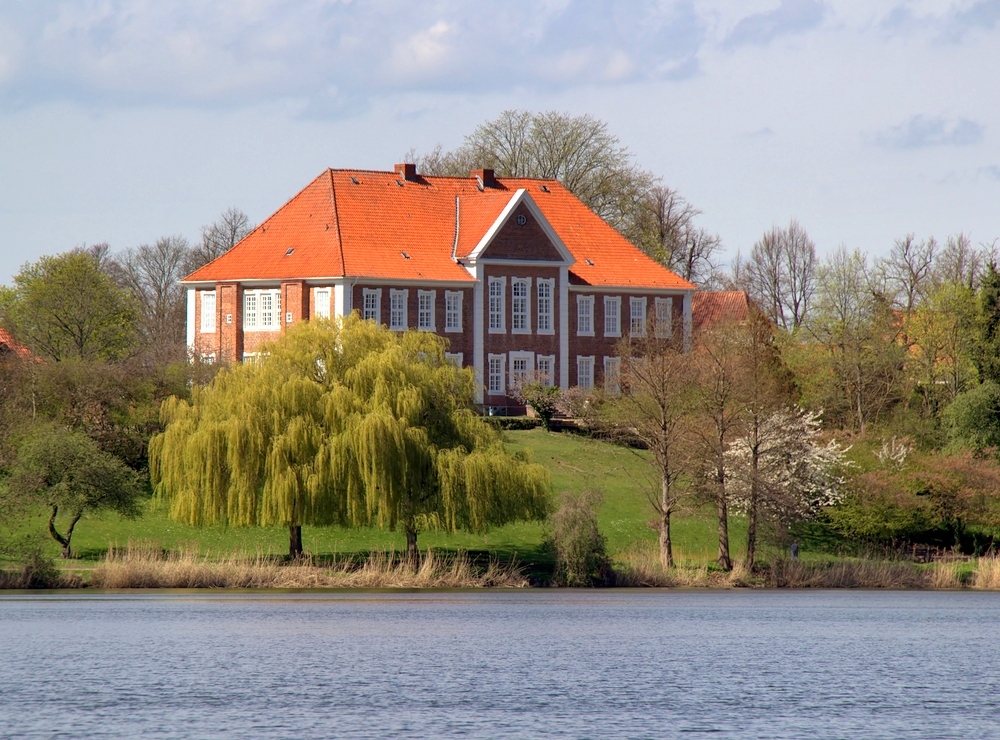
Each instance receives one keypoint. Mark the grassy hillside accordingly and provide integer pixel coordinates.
(575, 463)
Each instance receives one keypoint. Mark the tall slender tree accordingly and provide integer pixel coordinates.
(342, 423)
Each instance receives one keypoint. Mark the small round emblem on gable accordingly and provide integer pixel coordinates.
(521, 219)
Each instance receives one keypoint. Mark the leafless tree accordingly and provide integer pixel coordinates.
(219, 237)
(151, 272)
(960, 262)
(780, 274)
(906, 272)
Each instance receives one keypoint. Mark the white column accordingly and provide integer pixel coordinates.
(190, 322)
(341, 300)
(478, 332)
(564, 327)
(686, 309)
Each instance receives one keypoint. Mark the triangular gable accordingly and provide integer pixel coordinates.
(521, 232)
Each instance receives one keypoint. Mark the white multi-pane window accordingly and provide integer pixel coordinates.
(520, 318)
(321, 299)
(612, 374)
(522, 366)
(664, 317)
(425, 309)
(497, 286)
(585, 372)
(637, 317)
(397, 309)
(546, 365)
(208, 311)
(455, 358)
(545, 291)
(452, 310)
(585, 315)
(261, 310)
(496, 380)
(612, 316)
(371, 304)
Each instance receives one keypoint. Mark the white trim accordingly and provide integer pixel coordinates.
(634, 289)
(334, 279)
(529, 366)
(502, 375)
(259, 297)
(377, 294)
(432, 294)
(582, 299)
(478, 332)
(549, 379)
(613, 375)
(588, 362)
(664, 318)
(634, 301)
(563, 327)
(502, 312)
(686, 309)
(551, 284)
(521, 196)
(454, 358)
(322, 301)
(616, 301)
(208, 319)
(341, 300)
(460, 296)
(402, 310)
(520, 263)
(526, 282)
(191, 316)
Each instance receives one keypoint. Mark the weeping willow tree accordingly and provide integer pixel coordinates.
(342, 423)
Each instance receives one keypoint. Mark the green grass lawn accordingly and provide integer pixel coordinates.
(575, 462)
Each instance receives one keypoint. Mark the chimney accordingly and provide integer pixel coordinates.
(407, 172)
(485, 178)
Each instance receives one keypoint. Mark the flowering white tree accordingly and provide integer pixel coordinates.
(781, 471)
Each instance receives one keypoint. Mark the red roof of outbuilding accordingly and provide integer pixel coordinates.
(356, 223)
(9, 344)
(711, 308)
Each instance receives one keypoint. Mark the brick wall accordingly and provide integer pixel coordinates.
(527, 241)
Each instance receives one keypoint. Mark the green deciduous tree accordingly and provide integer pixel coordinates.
(342, 423)
(63, 469)
(66, 307)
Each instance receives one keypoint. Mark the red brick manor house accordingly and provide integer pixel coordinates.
(518, 274)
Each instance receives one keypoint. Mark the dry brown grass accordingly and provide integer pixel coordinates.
(146, 565)
(987, 574)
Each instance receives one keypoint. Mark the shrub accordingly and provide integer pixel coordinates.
(581, 558)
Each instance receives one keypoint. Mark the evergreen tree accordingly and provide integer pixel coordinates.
(987, 354)
(342, 423)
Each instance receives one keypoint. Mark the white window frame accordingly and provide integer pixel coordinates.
(398, 299)
(585, 372)
(585, 315)
(520, 306)
(613, 375)
(453, 310)
(259, 305)
(524, 375)
(371, 304)
(546, 304)
(455, 358)
(496, 380)
(208, 310)
(425, 314)
(637, 316)
(208, 358)
(612, 315)
(546, 376)
(497, 304)
(321, 302)
(664, 317)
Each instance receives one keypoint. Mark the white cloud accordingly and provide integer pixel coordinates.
(920, 131)
(790, 17)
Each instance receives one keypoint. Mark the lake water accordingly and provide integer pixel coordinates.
(521, 664)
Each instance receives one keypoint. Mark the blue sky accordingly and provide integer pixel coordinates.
(127, 120)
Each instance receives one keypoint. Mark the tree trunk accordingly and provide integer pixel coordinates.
(412, 553)
(295, 541)
(751, 555)
(724, 561)
(666, 547)
(64, 541)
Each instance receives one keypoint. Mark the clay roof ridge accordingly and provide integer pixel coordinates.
(336, 221)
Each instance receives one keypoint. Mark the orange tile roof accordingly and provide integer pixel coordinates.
(8, 343)
(710, 308)
(357, 223)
